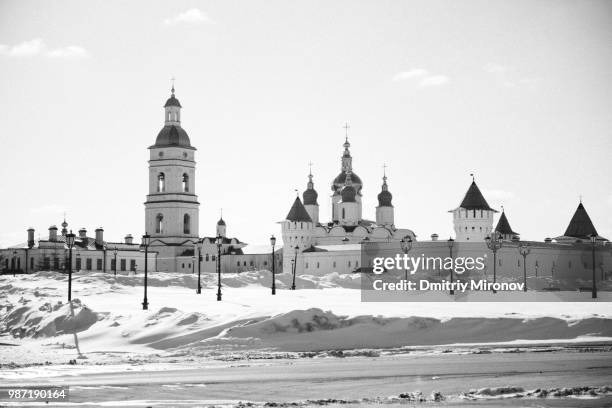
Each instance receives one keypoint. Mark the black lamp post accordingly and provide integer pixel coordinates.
(451, 242)
(494, 244)
(193, 258)
(406, 245)
(594, 287)
(273, 243)
(70, 242)
(524, 250)
(115, 253)
(294, 266)
(219, 242)
(146, 240)
(199, 289)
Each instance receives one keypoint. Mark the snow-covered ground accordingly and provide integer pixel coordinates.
(106, 323)
(108, 339)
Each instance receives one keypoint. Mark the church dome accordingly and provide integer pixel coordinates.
(172, 135)
(348, 194)
(341, 181)
(384, 199)
(310, 197)
(172, 101)
(221, 222)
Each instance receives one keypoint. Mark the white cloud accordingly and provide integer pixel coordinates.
(413, 73)
(424, 77)
(71, 51)
(433, 80)
(191, 16)
(37, 47)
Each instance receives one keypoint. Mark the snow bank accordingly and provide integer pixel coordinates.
(47, 320)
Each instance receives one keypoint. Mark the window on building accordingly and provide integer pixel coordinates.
(133, 265)
(214, 258)
(78, 263)
(56, 263)
(122, 263)
(159, 224)
(88, 264)
(238, 263)
(185, 183)
(251, 263)
(207, 258)
(32, 263)
(306, 265)
(186, 224)
(343, 213)
(356, 264)
(99, 264)
(113, 265)
(499, 262)
(318, 265)
(519, 263)
(244, 263)
(349, 264)
(265, 263)
(334, 264)
(183, 266)
(161, 183)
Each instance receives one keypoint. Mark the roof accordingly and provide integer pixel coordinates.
(580, 225)
(172, 101)
(221, 222)
(340, 180)
(503, 226)
(474, 200)
(384, 199)
(310, 197)
(298, 212)
(172, 135)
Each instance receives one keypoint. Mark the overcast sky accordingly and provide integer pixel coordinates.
(517, 92)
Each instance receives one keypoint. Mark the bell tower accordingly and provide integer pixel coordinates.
(172, 207)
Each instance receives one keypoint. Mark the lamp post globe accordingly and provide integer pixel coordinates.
(273, 243)
(70, 237)
(146, 240)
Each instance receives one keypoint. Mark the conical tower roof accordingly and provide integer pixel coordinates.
(503, 226)
(298, 212)
(581, 225)
(474, 199)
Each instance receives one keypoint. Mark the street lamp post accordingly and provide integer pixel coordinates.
(494, 244)
(524, 250)
(146, 240)
(451, 242)
(594, 287)
(406, 245)
(199, 289)
(70, 242)
(115, 253)
(219, 244)
(193, 258)
(294, 266)
(273, 243)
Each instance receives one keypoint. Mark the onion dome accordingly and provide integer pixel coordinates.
(221, 222)
(348, 194)
(172, 135)
(172, 101)
(310, 195)
(384, 197)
